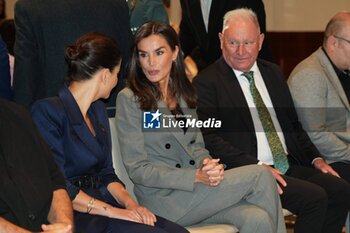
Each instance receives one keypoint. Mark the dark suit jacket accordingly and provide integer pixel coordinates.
(44, 28)
(5, 79)
(220, 96)
(193, 33)
(28, 173)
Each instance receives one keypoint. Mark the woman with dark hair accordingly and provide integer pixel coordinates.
(148, 90)
(75, 125)
(163, 149)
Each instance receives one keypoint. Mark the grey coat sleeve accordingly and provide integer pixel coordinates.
(324, 120)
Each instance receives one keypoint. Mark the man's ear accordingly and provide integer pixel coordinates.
(333, 40)
(261, 40)
(221, 38)
(332, 43)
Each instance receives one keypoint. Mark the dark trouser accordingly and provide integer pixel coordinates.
(320, 201)
(86, 223)
(343, 170)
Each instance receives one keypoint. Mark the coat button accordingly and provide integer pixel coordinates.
(192, 162)
(31, 217)
(193, 141)
(167, 146)
(178, 165)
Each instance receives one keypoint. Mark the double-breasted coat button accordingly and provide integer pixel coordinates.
(178, 165)
(167, 146)
(192, 162)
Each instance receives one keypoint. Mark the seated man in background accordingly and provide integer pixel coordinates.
(33, 195)
(260, 126)
(320, 87)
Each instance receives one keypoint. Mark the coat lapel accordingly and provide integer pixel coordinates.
(234, 90)
(333, 77)
(215, 15)
(183, 139)
(197, 17)
(77, 121)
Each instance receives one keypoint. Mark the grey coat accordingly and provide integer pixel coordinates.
(162, 165)
(322, 106)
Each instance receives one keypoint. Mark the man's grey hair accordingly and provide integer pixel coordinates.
(240, 13)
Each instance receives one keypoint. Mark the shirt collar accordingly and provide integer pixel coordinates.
(254, 68)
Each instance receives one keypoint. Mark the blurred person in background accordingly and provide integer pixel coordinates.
(5, 77)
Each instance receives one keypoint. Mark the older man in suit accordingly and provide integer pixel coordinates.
(320, 87)
(44, 28)
(202, 21)
(260, 126)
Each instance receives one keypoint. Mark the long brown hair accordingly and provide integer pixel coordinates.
(148, 93)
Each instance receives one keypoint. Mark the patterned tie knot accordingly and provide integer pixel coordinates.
(249, 75)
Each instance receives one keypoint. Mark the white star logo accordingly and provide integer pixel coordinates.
(156, 115)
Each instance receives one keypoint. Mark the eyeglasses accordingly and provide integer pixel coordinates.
(341, 38)
(248, 44)
(235, 44)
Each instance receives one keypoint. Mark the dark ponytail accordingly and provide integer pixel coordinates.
(90, 53)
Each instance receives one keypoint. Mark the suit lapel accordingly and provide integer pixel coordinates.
(194, 6)
(218, 7)
(77, 122)
(178, 133)
(333, 77)
(235, 93)
(271, 89)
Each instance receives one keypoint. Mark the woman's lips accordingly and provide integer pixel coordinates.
(153, 72)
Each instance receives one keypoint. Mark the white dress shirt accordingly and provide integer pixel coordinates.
(264, 151)
(205, 7)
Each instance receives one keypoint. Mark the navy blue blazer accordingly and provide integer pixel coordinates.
(77, 152)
